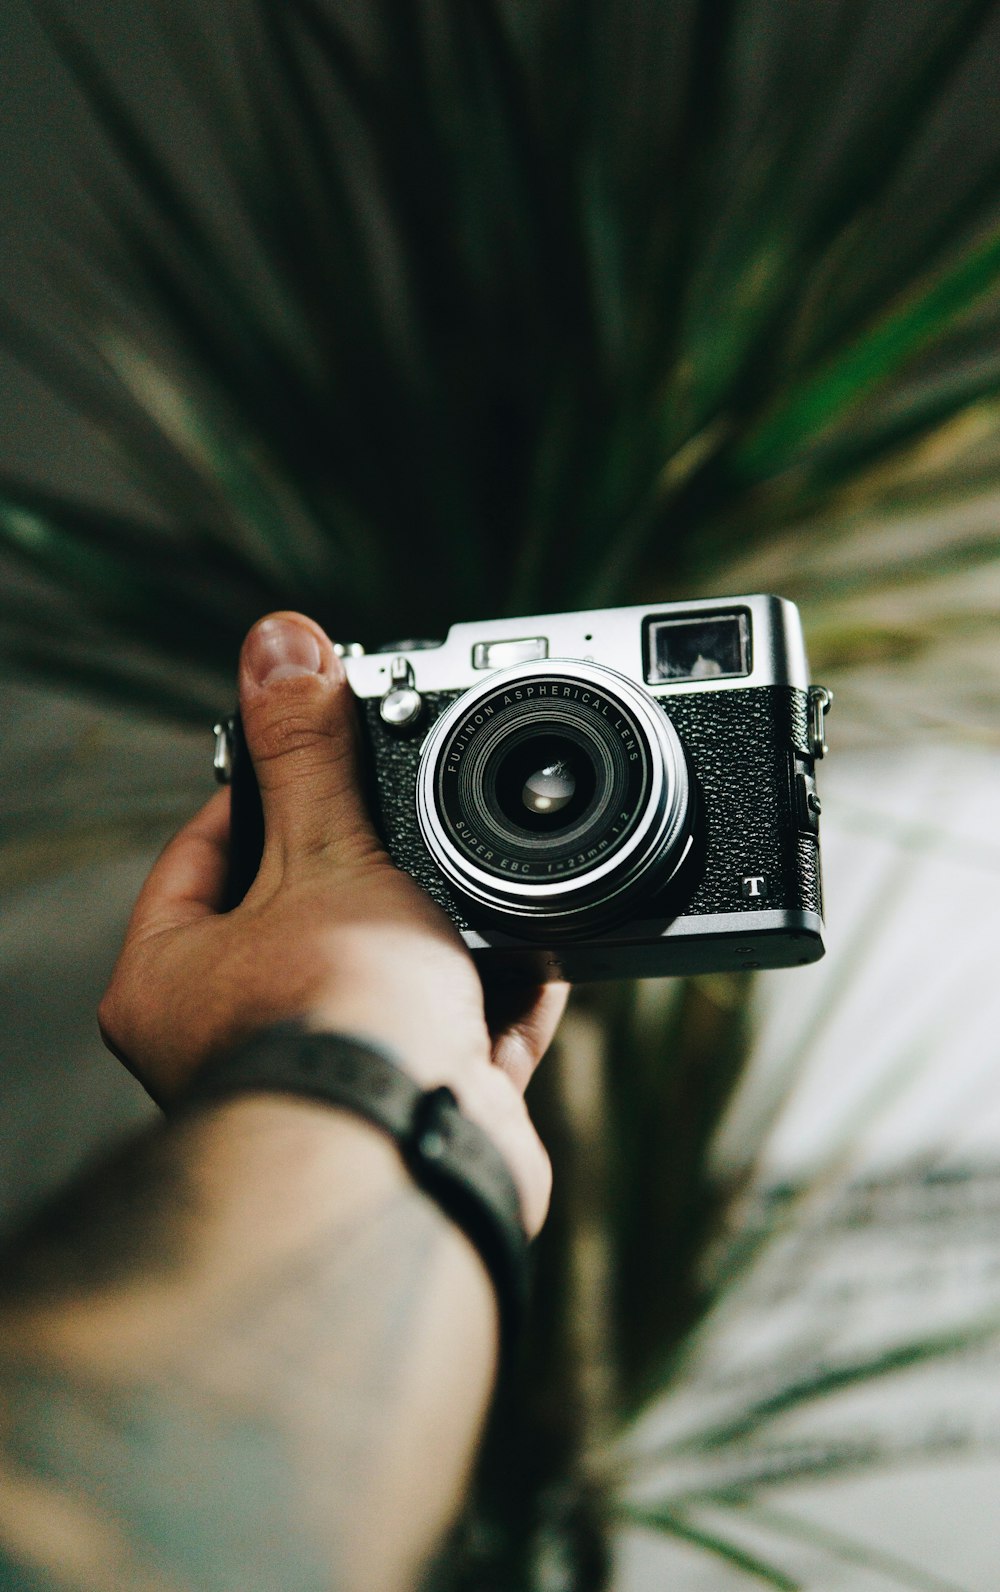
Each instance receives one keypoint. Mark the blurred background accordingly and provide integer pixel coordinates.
(408, 313)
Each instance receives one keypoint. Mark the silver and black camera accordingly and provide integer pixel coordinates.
(626, 792)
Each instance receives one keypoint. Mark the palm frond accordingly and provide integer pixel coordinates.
(828, 1379)
(847, 1549)
(510, 287)
(806, 409)
(687, 1049)
(681, 1523)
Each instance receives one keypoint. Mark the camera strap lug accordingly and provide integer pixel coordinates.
(820, 703)
(222, 762)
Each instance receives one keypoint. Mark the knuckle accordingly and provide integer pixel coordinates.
(291, 734)
(544, 1162)
(536, 1187)
(357, 851)
(519, 1052)
(111, 1020)
(494, 1091)
(499, 1107)
(106, 1014)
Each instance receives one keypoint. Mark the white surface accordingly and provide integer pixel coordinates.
(891, 1045)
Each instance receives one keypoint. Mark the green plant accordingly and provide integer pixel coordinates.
(523, 307)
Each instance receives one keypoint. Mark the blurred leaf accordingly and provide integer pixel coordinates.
(823, 1381)
(678, 1523)
(478, 296)
(687, 1048)
(840, 1546)
(807, 408)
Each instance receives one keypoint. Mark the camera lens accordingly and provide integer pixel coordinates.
(553, 796)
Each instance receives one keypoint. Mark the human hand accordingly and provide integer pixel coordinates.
(331, 933)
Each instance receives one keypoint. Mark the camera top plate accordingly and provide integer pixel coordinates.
(614, 637)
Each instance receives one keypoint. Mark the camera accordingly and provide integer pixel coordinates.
(628, 792)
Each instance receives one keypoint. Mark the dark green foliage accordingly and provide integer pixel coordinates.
(684, 1061)
(515, 307)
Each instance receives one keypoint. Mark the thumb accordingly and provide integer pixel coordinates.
(298, 719)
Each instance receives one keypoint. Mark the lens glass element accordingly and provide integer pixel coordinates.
(544, 783)
(550, 789)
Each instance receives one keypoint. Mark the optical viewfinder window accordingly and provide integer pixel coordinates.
(713, 647)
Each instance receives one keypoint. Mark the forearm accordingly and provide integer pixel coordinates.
(281, 1385)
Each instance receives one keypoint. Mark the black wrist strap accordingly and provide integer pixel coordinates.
(448, 1156)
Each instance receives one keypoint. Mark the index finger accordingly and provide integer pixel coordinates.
(522, 1020)
(188, 880)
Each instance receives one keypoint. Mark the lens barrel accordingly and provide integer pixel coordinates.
(554, 794)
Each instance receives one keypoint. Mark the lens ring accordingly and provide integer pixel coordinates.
(639, 858)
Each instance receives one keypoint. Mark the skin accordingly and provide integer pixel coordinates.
(248, 1352)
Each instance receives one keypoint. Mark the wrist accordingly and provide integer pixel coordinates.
(427, 1054)
(448, 1156)
(486, 1095)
